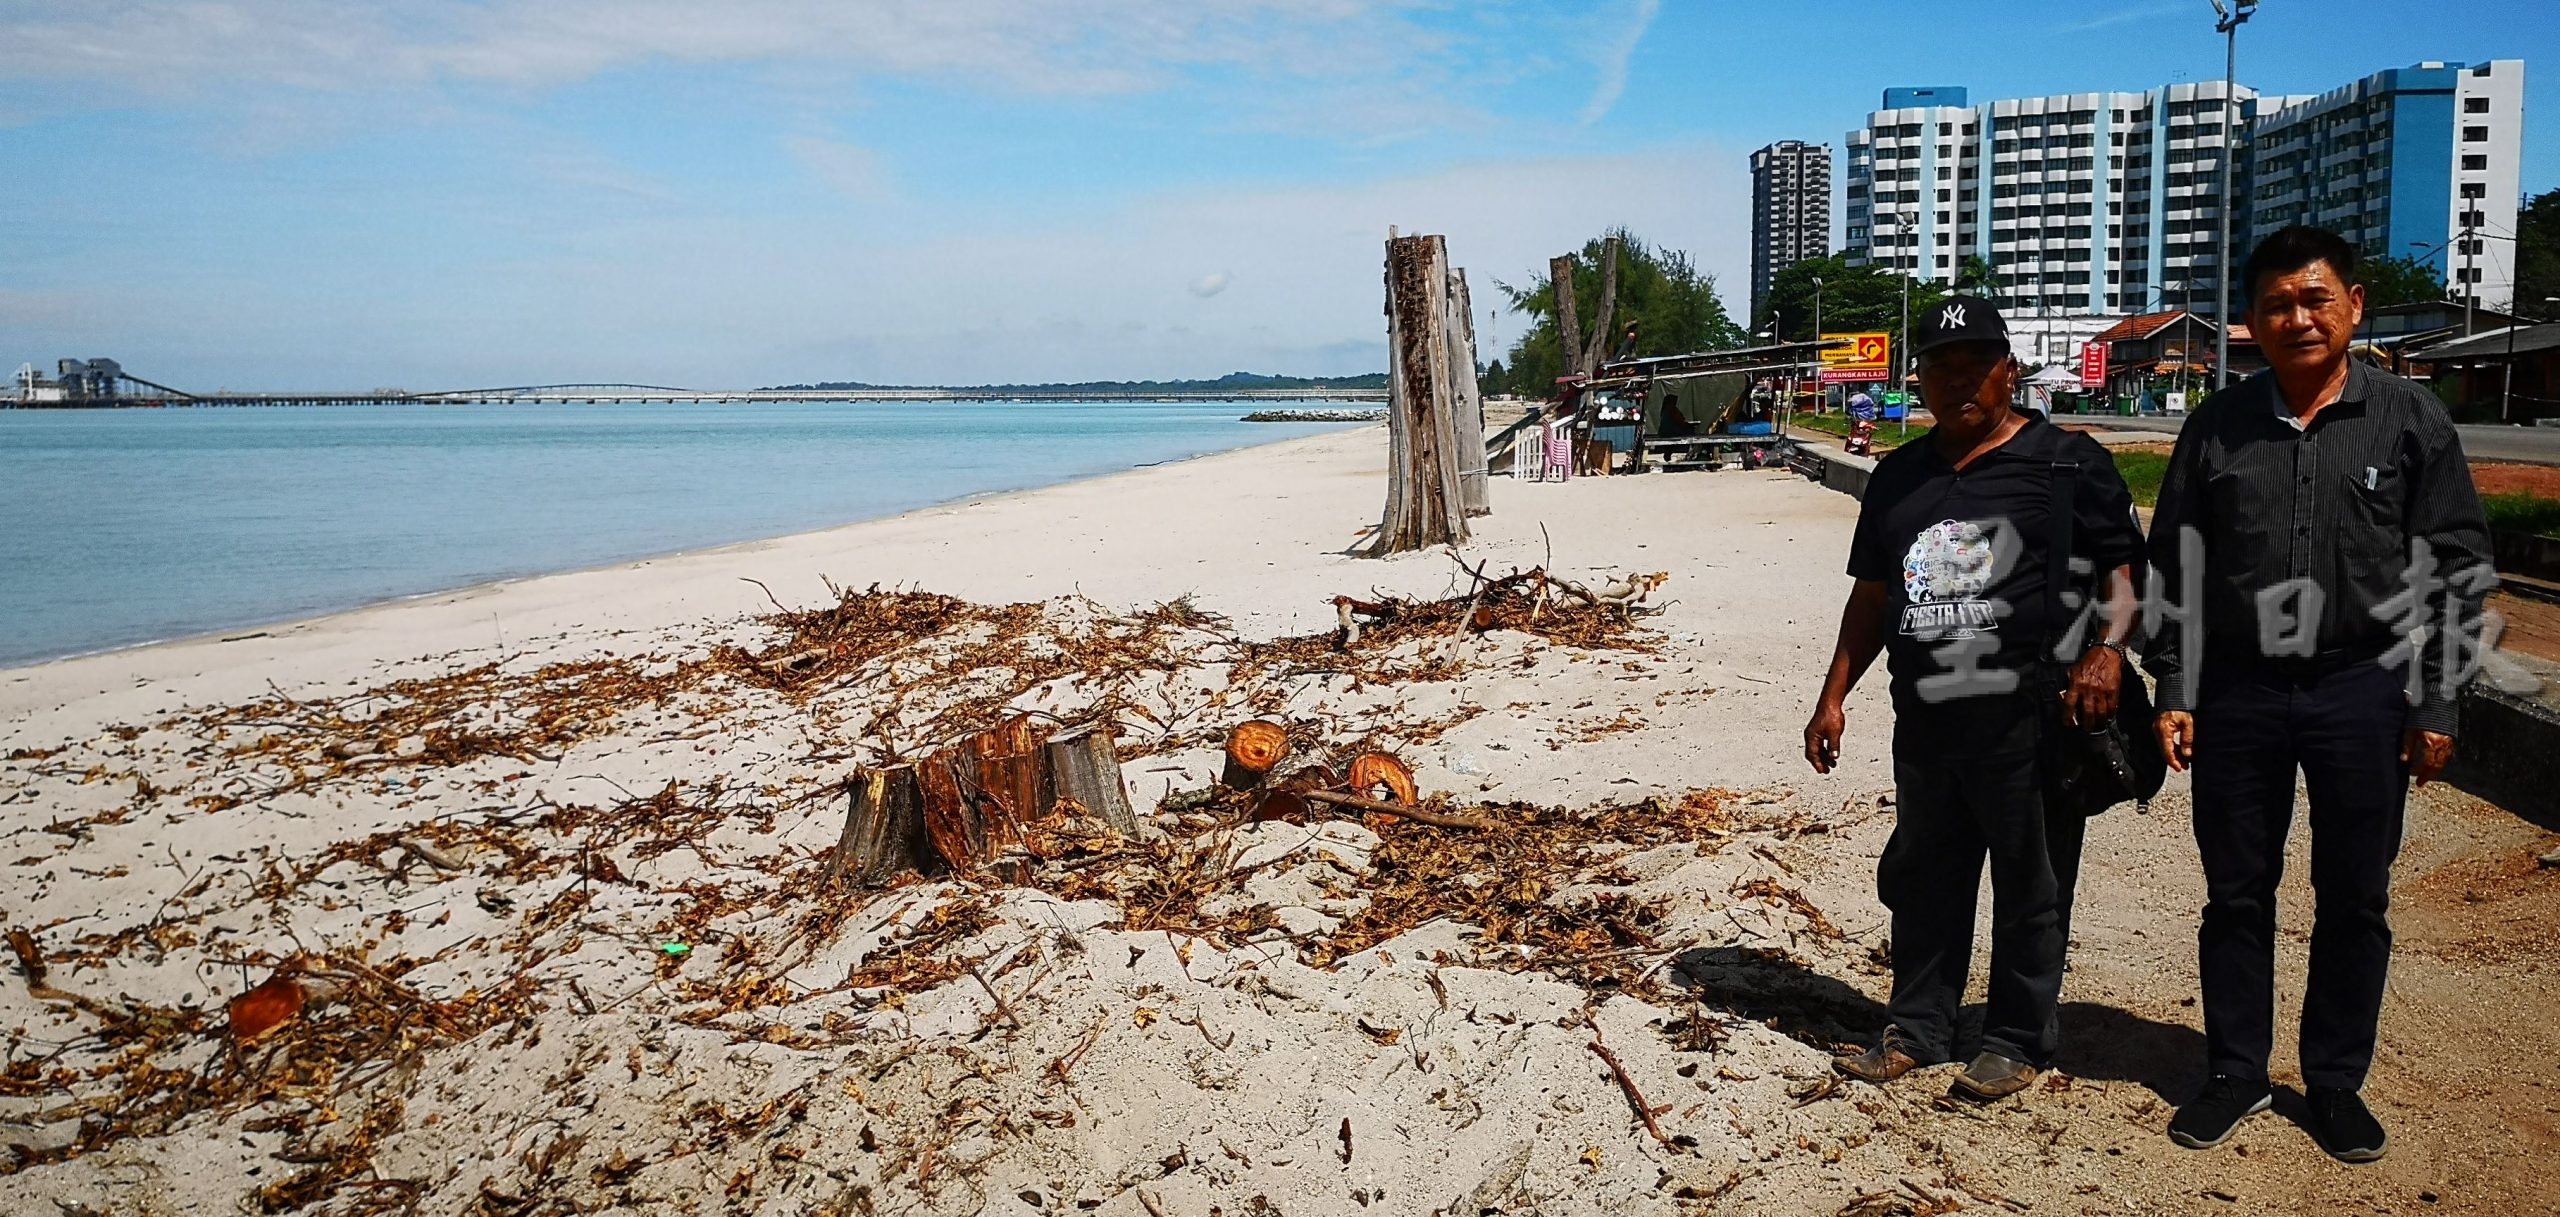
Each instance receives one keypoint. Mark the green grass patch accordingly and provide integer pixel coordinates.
(2142, 473)
(2523, 513)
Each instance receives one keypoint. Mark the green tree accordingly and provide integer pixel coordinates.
(1855, 299)
(2401, 280)
(1976, 278)
(1672, 302)
(2538, 256)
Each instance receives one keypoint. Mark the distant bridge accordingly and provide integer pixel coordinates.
(138, 392)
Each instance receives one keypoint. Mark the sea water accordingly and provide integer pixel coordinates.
(120, 527)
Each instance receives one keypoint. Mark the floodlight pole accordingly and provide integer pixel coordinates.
(2230, 17)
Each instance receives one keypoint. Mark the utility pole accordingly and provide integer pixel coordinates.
(2470, 250)
(2229, 18)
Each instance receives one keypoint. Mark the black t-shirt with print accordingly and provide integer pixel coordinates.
(1965, 552)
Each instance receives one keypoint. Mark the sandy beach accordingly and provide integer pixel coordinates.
(548, 852)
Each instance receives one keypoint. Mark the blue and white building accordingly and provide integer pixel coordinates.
(2422, 161)
(2104, 204)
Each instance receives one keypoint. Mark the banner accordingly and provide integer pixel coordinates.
(1859, 358)
(2093, 365)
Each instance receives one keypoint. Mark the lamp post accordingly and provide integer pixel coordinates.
(1903, 223)
(2229, 18)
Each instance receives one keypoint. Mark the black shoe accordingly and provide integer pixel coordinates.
(2342, 1125)
(2210, 1118)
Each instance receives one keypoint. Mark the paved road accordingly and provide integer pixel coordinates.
(2528, 445)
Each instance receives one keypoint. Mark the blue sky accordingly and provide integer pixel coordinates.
(451, 193)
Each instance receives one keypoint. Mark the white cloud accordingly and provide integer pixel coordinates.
(1613, 57)
(1209, 284)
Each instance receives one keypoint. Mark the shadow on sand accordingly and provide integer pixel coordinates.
(2099, 1042)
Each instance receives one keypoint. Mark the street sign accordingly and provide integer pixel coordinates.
(1860, 358)
(2093, 365)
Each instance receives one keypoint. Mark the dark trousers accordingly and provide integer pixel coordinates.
(1951, 812)
(2340, 724)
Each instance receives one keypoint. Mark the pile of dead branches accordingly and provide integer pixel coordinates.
(1369, 635)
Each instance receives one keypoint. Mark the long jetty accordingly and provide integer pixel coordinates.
(151, 395)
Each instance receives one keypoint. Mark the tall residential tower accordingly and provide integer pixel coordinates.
(1790, 211)
(2110, 203)
(2417, 162)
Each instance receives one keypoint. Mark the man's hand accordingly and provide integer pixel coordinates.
(2177, 732)
(2096, 681)
(1822, 736)
(2425, 753)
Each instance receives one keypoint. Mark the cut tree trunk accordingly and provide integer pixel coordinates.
(1598, 348)
(1425, 505)
(1475, 488)
(884, 832)
(1084, 765)
(1568, 313)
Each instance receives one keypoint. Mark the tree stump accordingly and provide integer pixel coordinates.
(1084, 765)
(1253, 748)
(884, 831)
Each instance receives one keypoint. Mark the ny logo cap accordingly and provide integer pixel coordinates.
(1957, 319)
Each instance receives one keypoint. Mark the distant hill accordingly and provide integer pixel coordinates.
(1230, 382)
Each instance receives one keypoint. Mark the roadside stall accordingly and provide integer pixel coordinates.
(1704, 410)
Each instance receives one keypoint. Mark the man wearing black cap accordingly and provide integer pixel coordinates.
(1958, 578)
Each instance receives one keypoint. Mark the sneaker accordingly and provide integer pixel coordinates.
(2210, 1118)
(1993, 1076)
(1889, 1059)
(2344, 1126)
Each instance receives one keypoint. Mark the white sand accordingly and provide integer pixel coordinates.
(1205, 1078)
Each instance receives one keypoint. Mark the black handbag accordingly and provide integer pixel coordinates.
(2090, 769)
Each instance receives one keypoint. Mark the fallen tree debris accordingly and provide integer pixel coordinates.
(1635, 1097)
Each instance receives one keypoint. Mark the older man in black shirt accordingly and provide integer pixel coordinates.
(2320, 539)
(1965, 555)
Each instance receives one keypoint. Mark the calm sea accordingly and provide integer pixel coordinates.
(120, 527)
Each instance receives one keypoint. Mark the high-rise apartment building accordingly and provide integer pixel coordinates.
(2421, 161)
(1790, 211)
(2089, 203)
(2110, 203)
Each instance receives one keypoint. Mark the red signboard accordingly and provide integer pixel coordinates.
(2093, 365)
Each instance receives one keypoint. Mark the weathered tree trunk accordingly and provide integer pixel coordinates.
(1474, 479)
(883, 829)
(1084, 765)
(1424, 502)
(1599, 345)
(1568, 314)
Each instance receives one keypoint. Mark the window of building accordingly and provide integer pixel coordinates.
(2475, 162)
(2472, 219)
(1944, 196)
(2467, 245)
(2474, 190)
(1946, 128)
(2475, 135)
(1945, 173)
(2475, 105)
